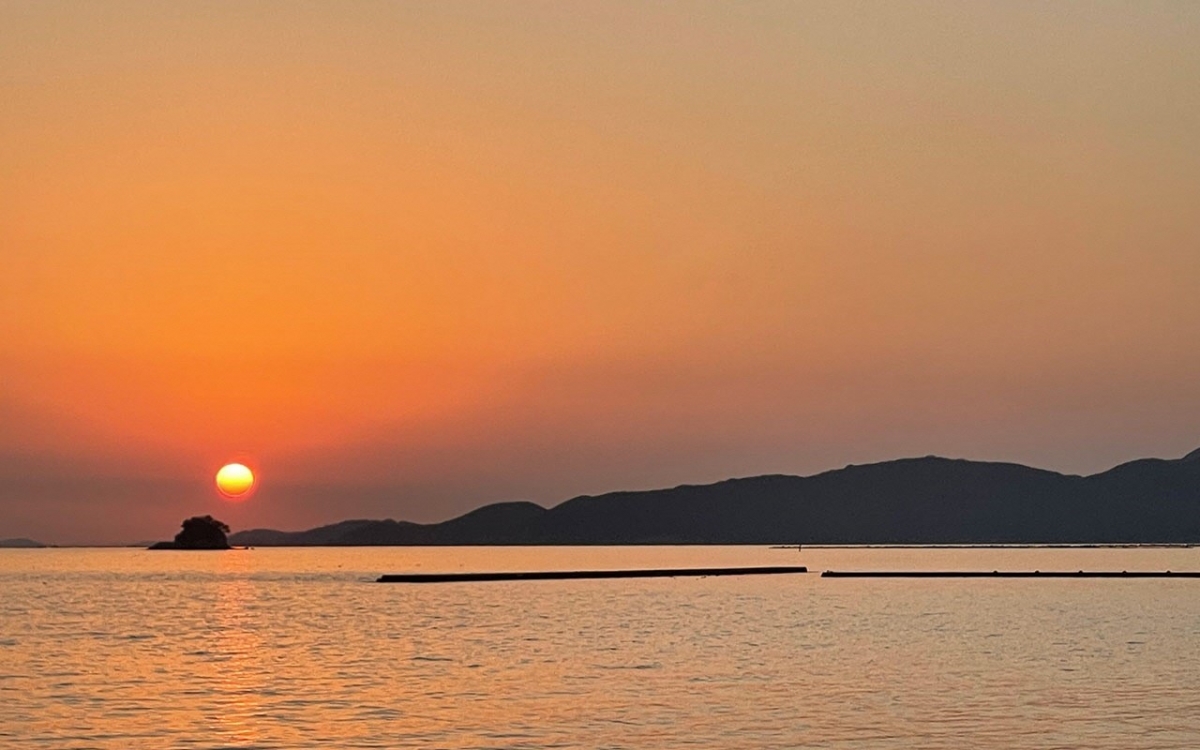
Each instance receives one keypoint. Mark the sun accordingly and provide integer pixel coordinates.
(235, 481)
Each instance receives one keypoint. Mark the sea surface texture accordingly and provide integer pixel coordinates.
(299, 648)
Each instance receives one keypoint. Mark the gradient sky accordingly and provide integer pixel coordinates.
(409, 258)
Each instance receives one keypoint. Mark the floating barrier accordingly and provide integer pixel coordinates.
(1009, 574)
(571, 575)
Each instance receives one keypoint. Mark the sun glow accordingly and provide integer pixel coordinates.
(235, 481)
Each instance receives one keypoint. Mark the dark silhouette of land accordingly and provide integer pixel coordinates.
(1009, 574)
(574, 575)
(199, 532)
(910, 501)
(20, 543)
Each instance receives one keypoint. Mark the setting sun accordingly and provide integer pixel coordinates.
(235, 480)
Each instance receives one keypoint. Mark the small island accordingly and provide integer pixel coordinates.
(199, 532)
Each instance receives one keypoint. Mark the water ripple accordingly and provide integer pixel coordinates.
(293, 649)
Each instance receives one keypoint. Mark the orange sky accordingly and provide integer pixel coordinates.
(412, 258)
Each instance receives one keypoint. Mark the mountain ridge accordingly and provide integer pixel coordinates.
(21, 543)
(925, 500)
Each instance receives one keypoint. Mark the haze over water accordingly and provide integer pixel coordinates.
(297, 648)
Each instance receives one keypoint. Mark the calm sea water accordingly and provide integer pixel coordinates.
(297, 648)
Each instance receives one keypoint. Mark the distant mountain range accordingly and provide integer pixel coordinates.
(20, 543)
(910, 501)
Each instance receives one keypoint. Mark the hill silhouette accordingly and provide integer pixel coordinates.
(20, 543)
(927, 500)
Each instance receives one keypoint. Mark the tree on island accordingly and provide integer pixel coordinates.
(199, 532)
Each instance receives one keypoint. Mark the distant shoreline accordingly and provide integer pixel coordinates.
(910, 502)
(778, 547)
(929, 502)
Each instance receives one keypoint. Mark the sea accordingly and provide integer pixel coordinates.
(300, 648)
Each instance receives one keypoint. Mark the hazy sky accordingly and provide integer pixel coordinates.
(409, 258)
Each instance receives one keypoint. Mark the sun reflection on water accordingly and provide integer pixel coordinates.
(240, 677)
